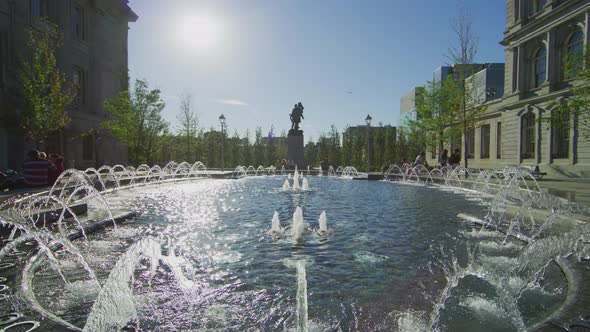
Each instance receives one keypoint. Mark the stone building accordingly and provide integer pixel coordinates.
(93, 56)
(538, 37)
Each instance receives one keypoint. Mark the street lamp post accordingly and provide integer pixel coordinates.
(368, 120)
(222, 121)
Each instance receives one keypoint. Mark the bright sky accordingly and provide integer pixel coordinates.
(343, 59)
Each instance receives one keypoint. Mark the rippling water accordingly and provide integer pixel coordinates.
(376, 259)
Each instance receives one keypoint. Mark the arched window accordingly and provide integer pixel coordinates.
(527, 136)
(540, 67)
(574, 54)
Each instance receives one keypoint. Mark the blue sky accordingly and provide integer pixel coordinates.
(253, 59)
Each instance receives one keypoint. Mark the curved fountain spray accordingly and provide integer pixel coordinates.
(513, 210)
(331, 171)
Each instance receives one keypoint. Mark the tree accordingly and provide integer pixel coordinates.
(137, 122)
(258, 147)
(189, 124)
(311, 153)
(462, 57)
(576, 106)
(46, 90)
(437, 108)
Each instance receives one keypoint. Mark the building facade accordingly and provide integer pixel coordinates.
(94, 58)
(539, 36)
(408, 105)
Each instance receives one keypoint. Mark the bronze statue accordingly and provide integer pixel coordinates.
(296, 116)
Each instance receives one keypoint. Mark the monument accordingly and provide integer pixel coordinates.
(295, 152)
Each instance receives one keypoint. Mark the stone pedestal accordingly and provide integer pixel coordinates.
(295, 152)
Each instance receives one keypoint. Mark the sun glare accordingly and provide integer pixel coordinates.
(199, 32)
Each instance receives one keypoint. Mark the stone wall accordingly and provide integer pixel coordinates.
(94, 51)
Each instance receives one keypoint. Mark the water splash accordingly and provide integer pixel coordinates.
(301, 311)
(322, 221)
(296, 180)
(286, 186)
(276, 224)
(305, 185)
(298, 224)
(115, 306)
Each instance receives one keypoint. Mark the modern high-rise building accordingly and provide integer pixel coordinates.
(94, 58)
(407, 105)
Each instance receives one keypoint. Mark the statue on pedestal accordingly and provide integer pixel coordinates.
(296, 116)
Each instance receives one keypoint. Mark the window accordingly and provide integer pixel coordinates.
(536, 6)
(78, 22)
(88, 147)
(527, 136)
(499, 140)
(540, 67)
(574, 54)
(39, 8)
(485, 142)
(560, 141)
(79, 83)
(470, 143)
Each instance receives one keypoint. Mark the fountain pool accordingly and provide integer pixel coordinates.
(201, 256)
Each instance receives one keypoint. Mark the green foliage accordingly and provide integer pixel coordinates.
(437, 110)
(448, 108)
(576, 106)
(46, 90)
(138, 122)
(462, 55)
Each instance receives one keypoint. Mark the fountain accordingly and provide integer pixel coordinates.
(331, 171)
(301, 297)
(305, 184)
(239, 172)
(286, 186)
(296, 180)
(490, 251)
(298, 225)
(322, 222)
(276, 224)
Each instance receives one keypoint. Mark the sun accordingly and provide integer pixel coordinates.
(199, 32)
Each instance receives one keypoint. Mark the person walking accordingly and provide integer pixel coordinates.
(455, 159)
(443, 159)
